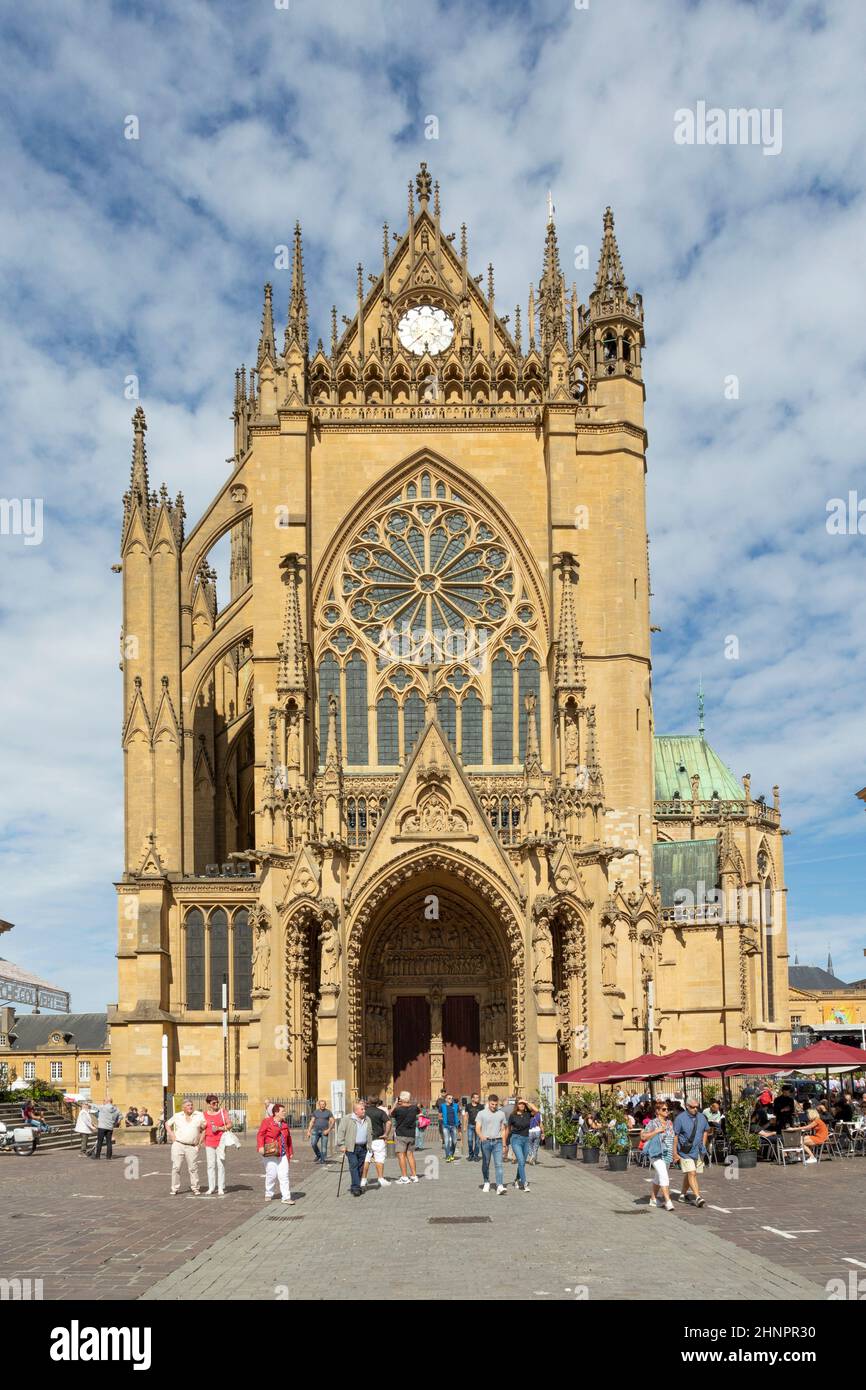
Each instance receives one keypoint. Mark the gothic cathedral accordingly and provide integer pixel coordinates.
(399, 795)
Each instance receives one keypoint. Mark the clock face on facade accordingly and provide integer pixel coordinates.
(425, 329)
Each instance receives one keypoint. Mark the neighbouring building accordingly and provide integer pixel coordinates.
(401, 793)
(69, 1051)
(820, 1001)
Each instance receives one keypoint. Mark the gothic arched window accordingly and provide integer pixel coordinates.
(356, 710)
(242, 960)
(428, 587)
(387, 736)
(529, 682)
(472, 738)
(503, 710)
(446, 713)
(413, 720)
(329, 682)
(194, 930)
(218, 930)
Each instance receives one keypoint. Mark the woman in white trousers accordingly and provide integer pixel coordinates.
(274, 1143)
(217, 1122)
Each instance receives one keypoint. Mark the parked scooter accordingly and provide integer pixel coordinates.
(22, 1140)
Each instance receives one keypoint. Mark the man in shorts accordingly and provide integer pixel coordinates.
(690, 1145)
(403, 1117)
(380, 1133)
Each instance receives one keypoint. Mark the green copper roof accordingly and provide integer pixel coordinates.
(686, 864)
(678, 756)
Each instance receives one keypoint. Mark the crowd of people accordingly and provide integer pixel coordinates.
(491, 1132)
(491, 1135)
(679, 1131)
(671, 1131)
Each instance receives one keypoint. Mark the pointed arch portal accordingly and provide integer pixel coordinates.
(437, 991)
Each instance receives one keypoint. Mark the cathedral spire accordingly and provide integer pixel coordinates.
(570, 674)
(297, 330)
(291, 676)
(267, 345)
(139, 485)
(551, 291)
(609, 276)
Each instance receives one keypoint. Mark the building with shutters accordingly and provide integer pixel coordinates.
(399, 794)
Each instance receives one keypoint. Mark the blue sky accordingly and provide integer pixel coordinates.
(148, 257)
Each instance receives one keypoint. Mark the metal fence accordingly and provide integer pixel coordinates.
(235, 1102)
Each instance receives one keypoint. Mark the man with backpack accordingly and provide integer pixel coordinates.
(690, 1145)
(449, 1112)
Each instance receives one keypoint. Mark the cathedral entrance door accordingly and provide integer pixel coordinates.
(461, 1038)
(412, 1046)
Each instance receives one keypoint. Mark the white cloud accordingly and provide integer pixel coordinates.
(148, 256)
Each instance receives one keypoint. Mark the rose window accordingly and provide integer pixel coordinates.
(426, 568)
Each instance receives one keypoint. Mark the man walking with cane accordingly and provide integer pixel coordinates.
(353, 1132)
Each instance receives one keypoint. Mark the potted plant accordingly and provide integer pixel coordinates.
(566, 1126)
(591, 1145)
(615, 1137)
(743, 1142)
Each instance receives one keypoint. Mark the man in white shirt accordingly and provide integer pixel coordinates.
(185, 1130)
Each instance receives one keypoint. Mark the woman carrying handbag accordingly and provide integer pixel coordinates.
(274, 1143)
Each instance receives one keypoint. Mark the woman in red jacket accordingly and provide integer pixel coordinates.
(274, 1143)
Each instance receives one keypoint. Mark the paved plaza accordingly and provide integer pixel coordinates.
(112, 1231)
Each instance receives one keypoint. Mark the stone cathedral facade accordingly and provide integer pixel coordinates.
(400, 794)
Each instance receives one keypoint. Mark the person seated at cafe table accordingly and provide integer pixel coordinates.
(814, 1133)
(762, 1122)
(843, 1110)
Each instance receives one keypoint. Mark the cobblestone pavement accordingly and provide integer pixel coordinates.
(809, 1220)
(113, 1232)
(575, 1235)
(110, 1230)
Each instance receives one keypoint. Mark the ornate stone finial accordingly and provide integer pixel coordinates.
(332, 758)
(700, 707)
(333, 330)
(267, 345)
(291, 673)
(532, 759)
(609, 277)
(518, 336)
(139, 485)
(297, 330)
(436, 208)
(423, 183)
(551, 294)
(569, 675)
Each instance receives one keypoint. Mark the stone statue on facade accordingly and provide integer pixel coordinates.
(332, 950)
(261, 958)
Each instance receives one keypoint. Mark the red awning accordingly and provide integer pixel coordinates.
(587, 1073)
(638, 1069)
(722, 1059)
(823, 1054)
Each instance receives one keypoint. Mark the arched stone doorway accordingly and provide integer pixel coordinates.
(438, 992)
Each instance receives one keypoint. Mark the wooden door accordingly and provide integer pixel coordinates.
(461, 1035)
(412, 1047)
